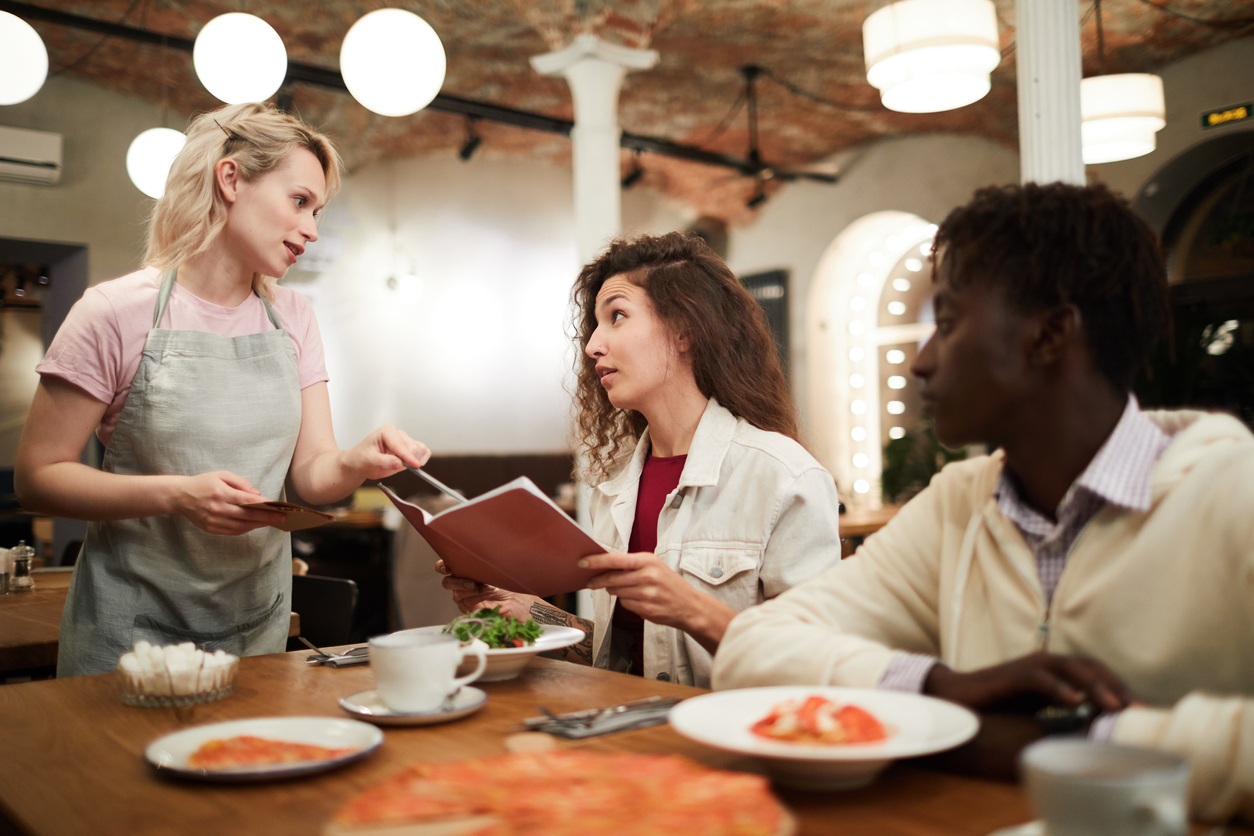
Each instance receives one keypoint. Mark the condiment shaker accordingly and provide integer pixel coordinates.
(21, 580)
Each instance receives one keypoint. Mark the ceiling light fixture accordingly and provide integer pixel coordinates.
(1120, 113)
(931, 55)
(392, 62)
(472, 142)
(150, 156)
(759, 197)
(633, 176)
(240, 58)
(23, 61)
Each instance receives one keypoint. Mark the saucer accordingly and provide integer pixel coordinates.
(368, 706)
(1032, 828)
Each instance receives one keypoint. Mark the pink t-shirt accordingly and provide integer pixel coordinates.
(99, 345)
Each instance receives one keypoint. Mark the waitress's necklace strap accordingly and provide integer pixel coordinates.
(163, 295)
(167, 285)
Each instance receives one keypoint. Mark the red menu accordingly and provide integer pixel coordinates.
(513, 537)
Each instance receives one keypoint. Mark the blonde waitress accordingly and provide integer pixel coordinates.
(206, 383)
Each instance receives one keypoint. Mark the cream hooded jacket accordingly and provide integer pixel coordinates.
(754, 514)
(1164, 598)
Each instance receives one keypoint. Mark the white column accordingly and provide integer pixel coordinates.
(1047, 47)
(594, 69)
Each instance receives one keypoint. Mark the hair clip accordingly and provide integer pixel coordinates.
(229, 135)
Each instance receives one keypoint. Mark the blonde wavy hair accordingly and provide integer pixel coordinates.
(191, 214)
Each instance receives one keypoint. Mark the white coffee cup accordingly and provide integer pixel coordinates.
(414, 671)
(1079, 787)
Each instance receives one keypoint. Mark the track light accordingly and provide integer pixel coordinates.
(632, 177)
(759, 197)
(472, 141)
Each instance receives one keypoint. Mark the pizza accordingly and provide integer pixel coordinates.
(819, 722)
(247, 750)
(564, 793)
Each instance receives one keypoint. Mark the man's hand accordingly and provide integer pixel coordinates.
(470, 596)
(1064, 680)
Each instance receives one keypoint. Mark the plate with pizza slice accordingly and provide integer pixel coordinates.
(263, 748)
(824, 737)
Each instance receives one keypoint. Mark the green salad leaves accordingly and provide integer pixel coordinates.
(494, 629)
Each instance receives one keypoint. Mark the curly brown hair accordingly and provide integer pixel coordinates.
(734, 359)
(1058, 244)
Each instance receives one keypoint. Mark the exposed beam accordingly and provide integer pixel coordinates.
(330, 79)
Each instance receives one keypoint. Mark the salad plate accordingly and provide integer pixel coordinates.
(917, 725)
(508, 662)
(369, 706)
(170, 753)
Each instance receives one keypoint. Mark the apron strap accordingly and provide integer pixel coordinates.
(163, 295)
(167, 284)
(274, 318)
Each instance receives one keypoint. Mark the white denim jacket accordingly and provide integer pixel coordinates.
(754, 515)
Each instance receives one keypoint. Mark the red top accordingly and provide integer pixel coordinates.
(659, 477)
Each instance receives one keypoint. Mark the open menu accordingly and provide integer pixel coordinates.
(513, 537)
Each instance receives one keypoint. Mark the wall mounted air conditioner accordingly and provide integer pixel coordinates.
(30, 156)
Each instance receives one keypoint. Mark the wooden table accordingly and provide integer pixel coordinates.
(860, 523)
(30, 623)
(71, 758)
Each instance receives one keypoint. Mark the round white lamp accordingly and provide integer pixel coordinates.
(1120, 115)
(392, 62)
(240, 58)
(149, 158)
(23, 60)
(931, 55)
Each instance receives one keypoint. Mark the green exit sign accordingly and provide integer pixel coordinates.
(1227, 115)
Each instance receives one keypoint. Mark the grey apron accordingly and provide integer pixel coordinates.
(198, 403)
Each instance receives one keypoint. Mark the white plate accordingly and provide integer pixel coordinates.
(170, 753)
(921, 725)
(508, 662)
(369, 706)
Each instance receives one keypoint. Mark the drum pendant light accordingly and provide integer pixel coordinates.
(23, 60)
(1120, 115)
(240, 58)
(149, 158)
(931, 55)
(392, 62)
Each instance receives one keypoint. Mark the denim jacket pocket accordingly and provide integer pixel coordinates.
(728, 572)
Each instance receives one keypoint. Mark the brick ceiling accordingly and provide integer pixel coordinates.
(814, 46)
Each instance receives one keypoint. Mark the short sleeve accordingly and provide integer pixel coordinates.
(87, 350)
(297, 316)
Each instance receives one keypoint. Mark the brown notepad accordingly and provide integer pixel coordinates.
(513, 537)
(298, 516)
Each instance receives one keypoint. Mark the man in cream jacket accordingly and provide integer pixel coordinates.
(1100, 555)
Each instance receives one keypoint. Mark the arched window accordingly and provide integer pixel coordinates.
(869, 311)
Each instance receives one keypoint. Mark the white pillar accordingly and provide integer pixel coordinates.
(594, 69)
(1047, 47)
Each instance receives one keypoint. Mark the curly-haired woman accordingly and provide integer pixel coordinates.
(703, 499)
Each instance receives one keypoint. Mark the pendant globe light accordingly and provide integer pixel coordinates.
(931, 55)
(150, 156)
(23, 60)
(240, 58)
(392, 62)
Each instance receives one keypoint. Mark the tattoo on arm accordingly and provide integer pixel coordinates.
(545, 614)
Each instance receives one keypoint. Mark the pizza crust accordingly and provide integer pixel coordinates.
(565, 792)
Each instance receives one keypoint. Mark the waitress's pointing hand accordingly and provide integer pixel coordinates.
(385, 451)
(212, 501)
